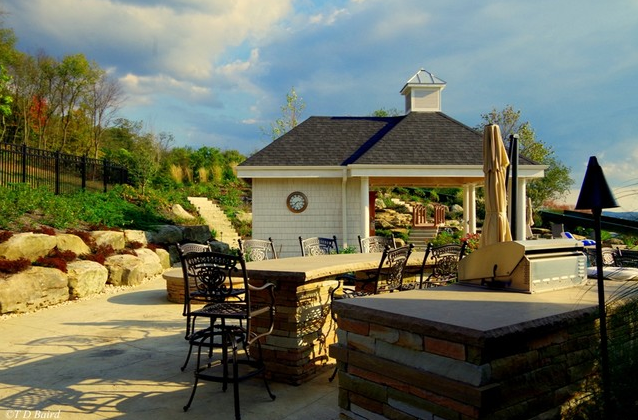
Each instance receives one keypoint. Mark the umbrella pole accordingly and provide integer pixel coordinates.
(514, 188)
(604, 352)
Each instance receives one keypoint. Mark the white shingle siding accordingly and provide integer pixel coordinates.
(323, 217)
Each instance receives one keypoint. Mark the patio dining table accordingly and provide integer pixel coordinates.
(298, 347)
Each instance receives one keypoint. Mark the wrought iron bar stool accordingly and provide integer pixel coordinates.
(233, 322)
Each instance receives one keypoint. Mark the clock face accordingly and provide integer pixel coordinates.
(297, 202)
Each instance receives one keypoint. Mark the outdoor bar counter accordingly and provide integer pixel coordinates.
(298, 346)
(466, 352)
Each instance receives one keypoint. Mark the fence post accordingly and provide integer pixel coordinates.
(57, 172)
(83, 171)
(105, 173)
(24, 163)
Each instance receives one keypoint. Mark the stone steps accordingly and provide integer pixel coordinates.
(420, 236)
(216, 220)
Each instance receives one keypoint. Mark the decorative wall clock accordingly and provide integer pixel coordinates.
(297, 202)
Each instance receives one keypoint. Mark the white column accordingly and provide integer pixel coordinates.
(472, 200)
(466, 209)
(344, 209)
(521, 211)
(365, 207)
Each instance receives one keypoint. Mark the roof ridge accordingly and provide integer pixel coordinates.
(391, 123)
(467, 127)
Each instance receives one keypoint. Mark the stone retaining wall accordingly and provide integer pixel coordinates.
(39, 287)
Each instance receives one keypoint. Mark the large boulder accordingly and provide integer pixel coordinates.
(27, 245)
(164, 256)
(34, 288)
(109, 237)
(132, 270)
(218, 246)
(196, 233)
(165, 234)
(456, 208)
(68, 242)
(179, 211)
(86, 278)
(151, 261)
(132, 235)
(125, 270)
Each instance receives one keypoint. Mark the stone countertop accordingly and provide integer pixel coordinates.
(474, 312)
(303, 269)
(309, 268)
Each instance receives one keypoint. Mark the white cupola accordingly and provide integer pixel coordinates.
(423, 92)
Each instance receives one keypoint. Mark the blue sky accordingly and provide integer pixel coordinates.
(216, 72)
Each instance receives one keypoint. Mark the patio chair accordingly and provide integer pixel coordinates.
(387, 278)
(184, 248)
(627, 258)
(375, 243)
(446, 264)
(610, 256)
(239, 325)
(193, 296)
(318, 246)
(258, 249)
(585, 242)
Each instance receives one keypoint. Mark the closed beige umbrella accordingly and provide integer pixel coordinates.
(495, 162)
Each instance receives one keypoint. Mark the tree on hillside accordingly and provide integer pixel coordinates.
(141, 152)
(73, 77)
(8, 40)
(5, 98)
(101, 102)
(557, 180)
(62, 105)
(291, 114)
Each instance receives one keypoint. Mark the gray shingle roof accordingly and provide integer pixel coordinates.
(419, 138)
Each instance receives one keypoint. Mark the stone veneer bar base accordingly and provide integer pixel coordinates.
(298, 347)
(460, 352)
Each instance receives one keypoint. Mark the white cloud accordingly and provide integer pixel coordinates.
(212, 68)
(165, 37)
(327, 19)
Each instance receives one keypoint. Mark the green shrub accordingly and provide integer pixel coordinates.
(348, 250)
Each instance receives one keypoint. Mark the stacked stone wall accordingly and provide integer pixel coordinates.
(296, 351)
(39, 287)
(388, 372)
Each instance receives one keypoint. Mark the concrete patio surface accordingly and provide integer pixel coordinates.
(118, 356)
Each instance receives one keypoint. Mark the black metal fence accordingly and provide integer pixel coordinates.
(61, 172)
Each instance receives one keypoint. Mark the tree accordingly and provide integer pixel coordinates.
(73, 77)
(557, 180)
(383, 112)
(101, 102)
(139, 151)
(291, 113)
(5, 99)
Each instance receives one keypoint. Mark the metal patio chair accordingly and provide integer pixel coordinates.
(446, 264)
(239, 326)
(375, 243)
(318, 246)
(258, 249)
(192, 296)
